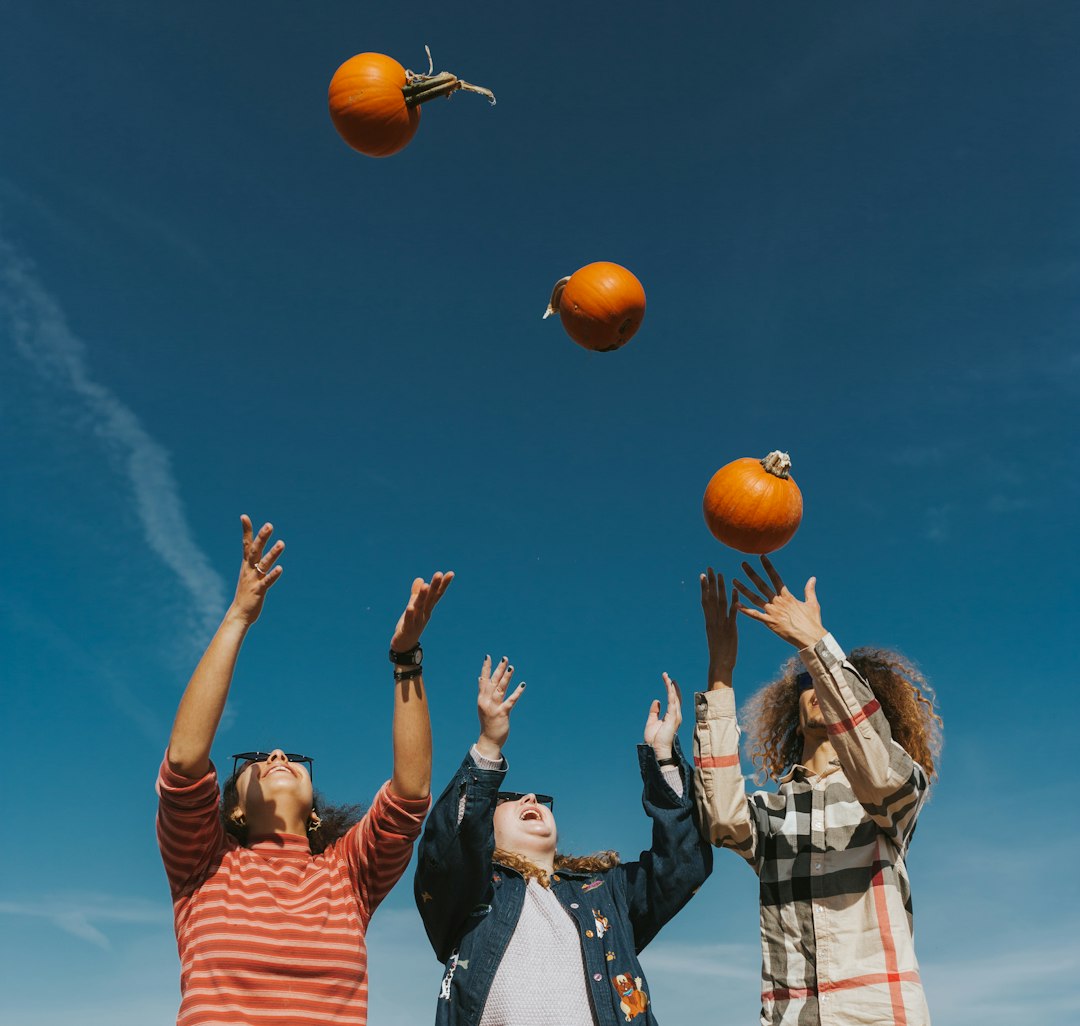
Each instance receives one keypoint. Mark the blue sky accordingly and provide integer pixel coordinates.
(856, 224)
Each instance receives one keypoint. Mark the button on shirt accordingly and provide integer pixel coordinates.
(836, 920)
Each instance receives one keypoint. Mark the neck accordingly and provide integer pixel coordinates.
(276, 822)
(818, 754)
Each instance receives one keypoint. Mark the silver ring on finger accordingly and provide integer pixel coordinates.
(258, 569)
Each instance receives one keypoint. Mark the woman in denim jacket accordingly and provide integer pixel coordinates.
(533, 938)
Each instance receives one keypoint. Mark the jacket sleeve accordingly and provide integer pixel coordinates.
(453, 873)
(889, 784)
(728, 816)
(679, 861)
(376, 851)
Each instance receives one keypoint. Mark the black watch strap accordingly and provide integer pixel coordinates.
(407, 672)
(412, 657)
(671, 760)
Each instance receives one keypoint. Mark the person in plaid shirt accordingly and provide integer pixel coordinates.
(851, 740)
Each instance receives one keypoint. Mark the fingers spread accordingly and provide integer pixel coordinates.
(777, 581)
(759, 583)
(511, 700)
(744, 590)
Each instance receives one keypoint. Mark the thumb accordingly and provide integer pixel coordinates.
(654, 714)
(811, 591)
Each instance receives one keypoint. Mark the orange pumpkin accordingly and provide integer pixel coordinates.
(375, 102)
(754, 505)
(600, 306)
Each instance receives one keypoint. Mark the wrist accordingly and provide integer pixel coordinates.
(662, 752)
(808, 639)
(488, 749)
(237, 619)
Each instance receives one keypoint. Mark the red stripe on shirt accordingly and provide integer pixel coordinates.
(863, 714)
(716, 761)
(867, 980)
(888, 945)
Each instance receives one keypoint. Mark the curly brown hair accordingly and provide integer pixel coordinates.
(334, 820)
(907, 700)
(600, 862)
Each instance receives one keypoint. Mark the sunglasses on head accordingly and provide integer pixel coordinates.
(516, 796)
(248, 757)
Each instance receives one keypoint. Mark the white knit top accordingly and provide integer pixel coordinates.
(541, 978)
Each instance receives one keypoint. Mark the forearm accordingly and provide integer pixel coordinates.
(412, 740)
(721, 672)
(858, 729)
(719, 790)
(204, 700)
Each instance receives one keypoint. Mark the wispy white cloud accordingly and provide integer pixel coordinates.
(77, 914)
(1036, 980)
(34, 322)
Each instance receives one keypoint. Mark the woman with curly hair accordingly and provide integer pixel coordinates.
(853, 742)
(272, 898)
(530, 936)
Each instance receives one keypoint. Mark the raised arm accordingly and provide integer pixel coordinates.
(679, 860)
(884, 777)
(204, 698)
(727, 815)
(453, 873)
(412, 721)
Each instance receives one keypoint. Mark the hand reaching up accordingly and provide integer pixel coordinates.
(660, 733)
(494, 706)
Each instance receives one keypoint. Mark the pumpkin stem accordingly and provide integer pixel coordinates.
(556, 295)
(419, 88)
(777, 463)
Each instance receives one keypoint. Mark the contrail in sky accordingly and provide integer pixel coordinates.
(36, 325)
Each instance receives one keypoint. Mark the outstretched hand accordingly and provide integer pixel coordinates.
(494, 706)
(797, 622)
(660, 733)
(422, 601)
(257, 571)
(721, 625)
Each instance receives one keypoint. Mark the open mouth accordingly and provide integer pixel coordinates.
(531, 814)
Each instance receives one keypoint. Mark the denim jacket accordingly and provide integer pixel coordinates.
(470, 904)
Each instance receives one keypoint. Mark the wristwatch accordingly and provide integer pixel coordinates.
(413, 657)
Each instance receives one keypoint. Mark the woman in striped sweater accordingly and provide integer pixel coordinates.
(270, 913)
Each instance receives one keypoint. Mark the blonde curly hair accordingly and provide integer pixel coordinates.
(771, 717)
(600, 862)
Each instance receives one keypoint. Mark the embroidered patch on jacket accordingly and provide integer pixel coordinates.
(632, 999)
(602, 924)
(609, 955)
(591, 885)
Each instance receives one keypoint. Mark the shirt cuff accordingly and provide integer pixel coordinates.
(673, 778)
(711, 705)
(487, 764)
(827, 650)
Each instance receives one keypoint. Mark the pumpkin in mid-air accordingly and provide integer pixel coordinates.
(754, 505)
(600, 306)
(375, 102)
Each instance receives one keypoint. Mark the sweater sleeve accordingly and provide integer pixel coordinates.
(453, 872)
(889, 784)
(679, 860)
(376, 851)
(727, 814)
(189, 830)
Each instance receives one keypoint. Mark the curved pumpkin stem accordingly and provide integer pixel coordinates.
(419, 88)
(778, 464)
(556, 296)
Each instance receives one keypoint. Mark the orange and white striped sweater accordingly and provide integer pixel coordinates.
(269, 934)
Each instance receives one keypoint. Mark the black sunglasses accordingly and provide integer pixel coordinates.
(516, 796)
(264, 756)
